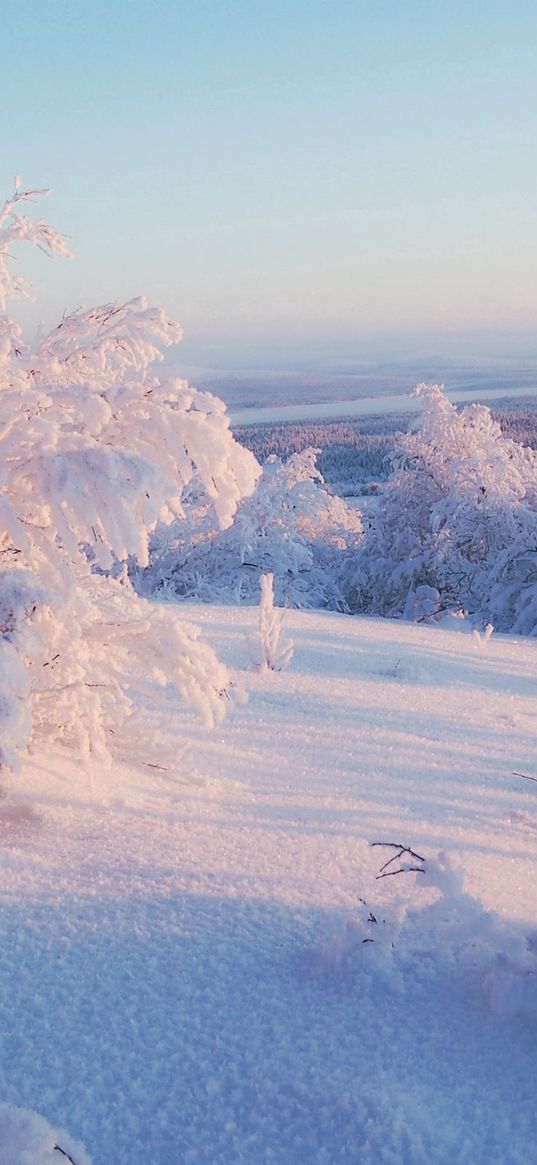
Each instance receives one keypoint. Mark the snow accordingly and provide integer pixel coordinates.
(27, 1139)
(183, 976)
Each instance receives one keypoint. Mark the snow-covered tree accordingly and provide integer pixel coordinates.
(458, 516)
(96, 450)
(290, 526)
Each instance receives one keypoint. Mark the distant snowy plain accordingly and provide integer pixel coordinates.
(367, 406)
(183, 973)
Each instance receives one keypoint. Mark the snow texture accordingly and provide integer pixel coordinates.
(183, 976)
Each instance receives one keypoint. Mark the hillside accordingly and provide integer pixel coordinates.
(354, 453)
(184, 976)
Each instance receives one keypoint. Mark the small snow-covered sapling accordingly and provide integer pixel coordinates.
(268, 649)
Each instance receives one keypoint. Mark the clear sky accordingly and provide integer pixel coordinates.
(294, 180)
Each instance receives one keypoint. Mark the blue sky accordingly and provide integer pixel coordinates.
(300, 182)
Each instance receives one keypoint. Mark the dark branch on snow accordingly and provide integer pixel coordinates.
(401, 849)
(58, 1149)
(402, 870)
(525, 776)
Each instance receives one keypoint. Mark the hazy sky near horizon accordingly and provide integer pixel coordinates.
(301, 181)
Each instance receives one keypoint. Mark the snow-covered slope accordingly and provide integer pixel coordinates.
(183, 972)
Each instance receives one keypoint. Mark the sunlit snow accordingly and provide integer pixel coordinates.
(183, 971)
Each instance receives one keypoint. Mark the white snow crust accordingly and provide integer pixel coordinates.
(27, 1139)
(183, 973)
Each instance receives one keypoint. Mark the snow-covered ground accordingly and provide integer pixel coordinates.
(183, 973)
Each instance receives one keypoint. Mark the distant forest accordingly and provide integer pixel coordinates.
(355, 454)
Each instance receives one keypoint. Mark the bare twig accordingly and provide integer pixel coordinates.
(401, 849)
(526, 777)
(402, 870)
(59, 1149)
(398, 845)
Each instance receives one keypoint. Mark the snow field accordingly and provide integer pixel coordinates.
(182, 971)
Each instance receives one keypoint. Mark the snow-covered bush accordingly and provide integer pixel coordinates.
(290, 526)
(268, 649)
(458, 517)
(96, 450)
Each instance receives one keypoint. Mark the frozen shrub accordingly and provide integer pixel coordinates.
(290, 526)
(268, 649)
(458, 517)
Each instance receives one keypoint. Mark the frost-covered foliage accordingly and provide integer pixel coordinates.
(24, 607)
(269, 650)
(96, 450)
(459, 517)
(290, 527)
(27, 1139)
